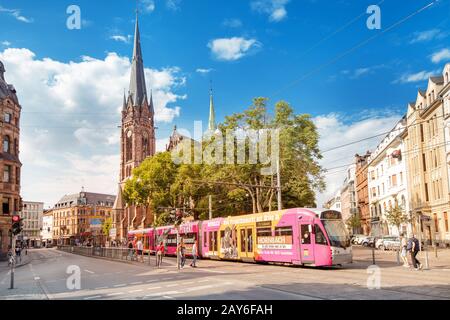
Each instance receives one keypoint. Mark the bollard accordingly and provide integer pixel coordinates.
(373, 256)
(436, 251)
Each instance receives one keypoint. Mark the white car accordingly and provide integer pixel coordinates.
(388, 243)
(358, 238)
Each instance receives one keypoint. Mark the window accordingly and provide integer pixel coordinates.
(426, 192)
(436, 223)
(6, 144)
(401, 178)
(424, 162)
(283, 231)
(446, 221)
(7, 117)
(7, 174)
(205, 239)
(264, 232)
(320, 236)
(394, 180)
(6, 206)
(422, 138)
(306, 235)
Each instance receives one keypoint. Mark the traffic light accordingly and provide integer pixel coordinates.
(17, 225)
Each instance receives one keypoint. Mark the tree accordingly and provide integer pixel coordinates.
(354, 222)
(396, 216)
(106, 226)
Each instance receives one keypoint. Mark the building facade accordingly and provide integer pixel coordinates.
(427, 162)
(137, 143)
(78, 218)
(32, 213)
(47, 228)
(387, 183)
(9, 160)
(349, 206)
(362, 191)
(334, 203)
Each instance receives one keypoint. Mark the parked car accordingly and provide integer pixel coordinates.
(357, 238)
(388, 243)
(368, 241)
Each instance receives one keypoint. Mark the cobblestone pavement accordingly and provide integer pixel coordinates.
(45, 277)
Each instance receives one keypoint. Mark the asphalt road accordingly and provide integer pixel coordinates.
(47, 277)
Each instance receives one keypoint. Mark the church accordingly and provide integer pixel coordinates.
(138, 142)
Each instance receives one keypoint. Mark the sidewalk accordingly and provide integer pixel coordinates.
(26, 259)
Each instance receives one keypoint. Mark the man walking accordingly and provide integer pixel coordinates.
(140, 250)
(194, 254)
(414, 248)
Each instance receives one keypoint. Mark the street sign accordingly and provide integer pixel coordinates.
(112, 232)
(96, 223)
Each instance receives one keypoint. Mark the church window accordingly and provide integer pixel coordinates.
(129, 146)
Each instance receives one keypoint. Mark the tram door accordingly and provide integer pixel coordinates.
(246, 242)
(306, 243)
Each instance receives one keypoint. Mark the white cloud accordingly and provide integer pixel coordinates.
(276, 9)
(173, 4)
(149, 5)
(232, 23)
(416, 77)
(335, 130)
(441, 55)
(427, 35)
(203, 71)
(125, 39)
(230, 49)
(16, 14)
(6, 43)
(70, 114)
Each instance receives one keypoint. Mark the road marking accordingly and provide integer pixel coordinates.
(114, 294)
(133, 291)
(89, 271)
(138, 282)
(167, 297)
(162, 294)
(99, 288)
(213, 271)
(199, 288)
(119, 285)
(37, 278)
(93, 297)
(164, 279)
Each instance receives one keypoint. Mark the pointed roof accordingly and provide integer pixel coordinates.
(212, 114)
(150, 106)
(138, 89)
(118, 204)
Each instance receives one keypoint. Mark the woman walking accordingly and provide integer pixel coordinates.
(404, 250)
(159, 254)
(194, 255)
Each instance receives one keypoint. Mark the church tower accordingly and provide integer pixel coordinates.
(137, 141)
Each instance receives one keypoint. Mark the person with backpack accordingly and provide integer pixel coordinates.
(414, 247)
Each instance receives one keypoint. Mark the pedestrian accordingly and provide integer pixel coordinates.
(159, 254)
(130, 250)
(182, 251)
(194, 254)
(414, 248)
(404, 252)
(140, 250)
(18, 253)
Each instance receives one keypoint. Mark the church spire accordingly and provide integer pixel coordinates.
(150, 106)
(138, 90)
(212, 115)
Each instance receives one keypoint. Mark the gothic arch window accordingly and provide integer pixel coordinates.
(6, 144)
(145, 148)
(129, 146)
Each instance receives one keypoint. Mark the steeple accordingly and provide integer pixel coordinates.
(212, 115)
(138, 91)
(150, 106)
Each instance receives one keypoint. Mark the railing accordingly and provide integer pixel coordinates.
(123, 254)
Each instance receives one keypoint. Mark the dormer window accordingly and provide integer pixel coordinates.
(7, 117)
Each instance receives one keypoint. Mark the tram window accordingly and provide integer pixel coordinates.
(283, 231)
(264, 232)
(306, 234)
(215, 241)
(205, 239)
(211, 241)
(171, 240)
(320, 237)
(250, 240)
(243, 240)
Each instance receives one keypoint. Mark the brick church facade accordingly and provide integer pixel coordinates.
(137, 144)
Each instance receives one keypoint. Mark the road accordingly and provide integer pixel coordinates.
(46, 277)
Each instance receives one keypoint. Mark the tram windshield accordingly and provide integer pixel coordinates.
(337, 233)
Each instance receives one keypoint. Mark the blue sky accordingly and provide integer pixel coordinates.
(250, 48)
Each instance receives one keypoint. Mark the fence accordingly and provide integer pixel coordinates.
(122, 254)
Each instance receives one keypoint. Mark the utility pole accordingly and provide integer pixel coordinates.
(280, 207)
(210, 207)
(13, 259)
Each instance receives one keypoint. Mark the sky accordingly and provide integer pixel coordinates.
(319, 56)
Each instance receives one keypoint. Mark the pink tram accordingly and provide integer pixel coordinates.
(300, 236)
